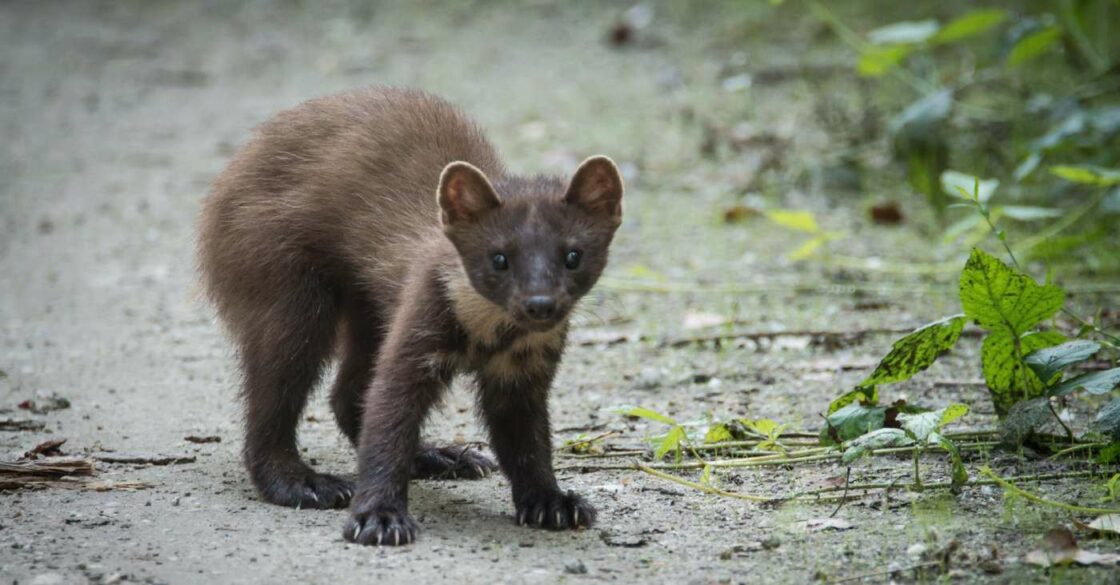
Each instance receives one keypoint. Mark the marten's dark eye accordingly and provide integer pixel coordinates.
(571, 260)
(499, 261)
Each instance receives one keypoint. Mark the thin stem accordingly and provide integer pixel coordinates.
(588, 441)
(917, 474)
(1007, 485)
(1069, 433)
(699, 486)
(1074, 448)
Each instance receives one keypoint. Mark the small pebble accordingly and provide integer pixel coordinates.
(575, 567)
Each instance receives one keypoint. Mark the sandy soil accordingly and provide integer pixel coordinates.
(117, 115)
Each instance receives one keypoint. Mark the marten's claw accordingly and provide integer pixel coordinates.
(554, 510)
(381, 526)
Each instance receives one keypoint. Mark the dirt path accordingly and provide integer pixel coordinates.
(115, 118)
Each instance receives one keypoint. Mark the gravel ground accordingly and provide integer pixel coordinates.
(116, 117)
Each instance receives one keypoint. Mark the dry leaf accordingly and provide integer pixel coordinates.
(1059, 547)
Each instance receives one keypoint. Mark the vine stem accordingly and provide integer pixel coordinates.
(993, 479)
(704, 488)
(1011, 487)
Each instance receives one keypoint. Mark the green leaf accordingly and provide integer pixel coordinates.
(951, 413)
(916, 351)
(649, 415)
(968, 25)
(997, 297)
(1108, 419)
(904, 33)
(807, 249)
(766, 427)
(960, 474)
(876, 61)
(1028, 166)
(922, 424)
(1033, 45)
(1093, 383)
(1007, 375)
(852, 421)
(1047, 362)
(706, 475)
(964, 186)
(803, 221)
(859, 395)
(877, 439)
(718, 433)
(1111, 453)
(1088, 174)
(671, 442)
(919, 117)
(1030, 213)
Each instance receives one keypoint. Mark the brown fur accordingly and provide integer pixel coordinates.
(370, 222)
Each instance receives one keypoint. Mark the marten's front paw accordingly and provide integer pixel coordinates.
(380, 525)
(554, 510)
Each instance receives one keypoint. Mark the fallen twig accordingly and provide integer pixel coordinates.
(10, 424)
(53, 467)
(144, 458)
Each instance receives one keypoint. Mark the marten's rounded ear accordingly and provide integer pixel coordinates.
(464, 193)
(597, 187)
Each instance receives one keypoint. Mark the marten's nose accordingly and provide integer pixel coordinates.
(540, 307)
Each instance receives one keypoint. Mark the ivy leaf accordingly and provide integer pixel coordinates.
(916, 352)
(1108, 419)
(852, 421)
(877, 439)
(1093, 383)
(649, 415)
(997, 297)
(924, 424)
(1048, 362)
(968, 25)
(1007, 375)
(960, 474)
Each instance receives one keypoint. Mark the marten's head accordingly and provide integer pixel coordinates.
(532, 246)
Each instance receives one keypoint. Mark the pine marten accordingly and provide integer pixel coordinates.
(381, 226)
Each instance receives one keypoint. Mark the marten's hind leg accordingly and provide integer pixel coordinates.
(361, 339)
(283, 352)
